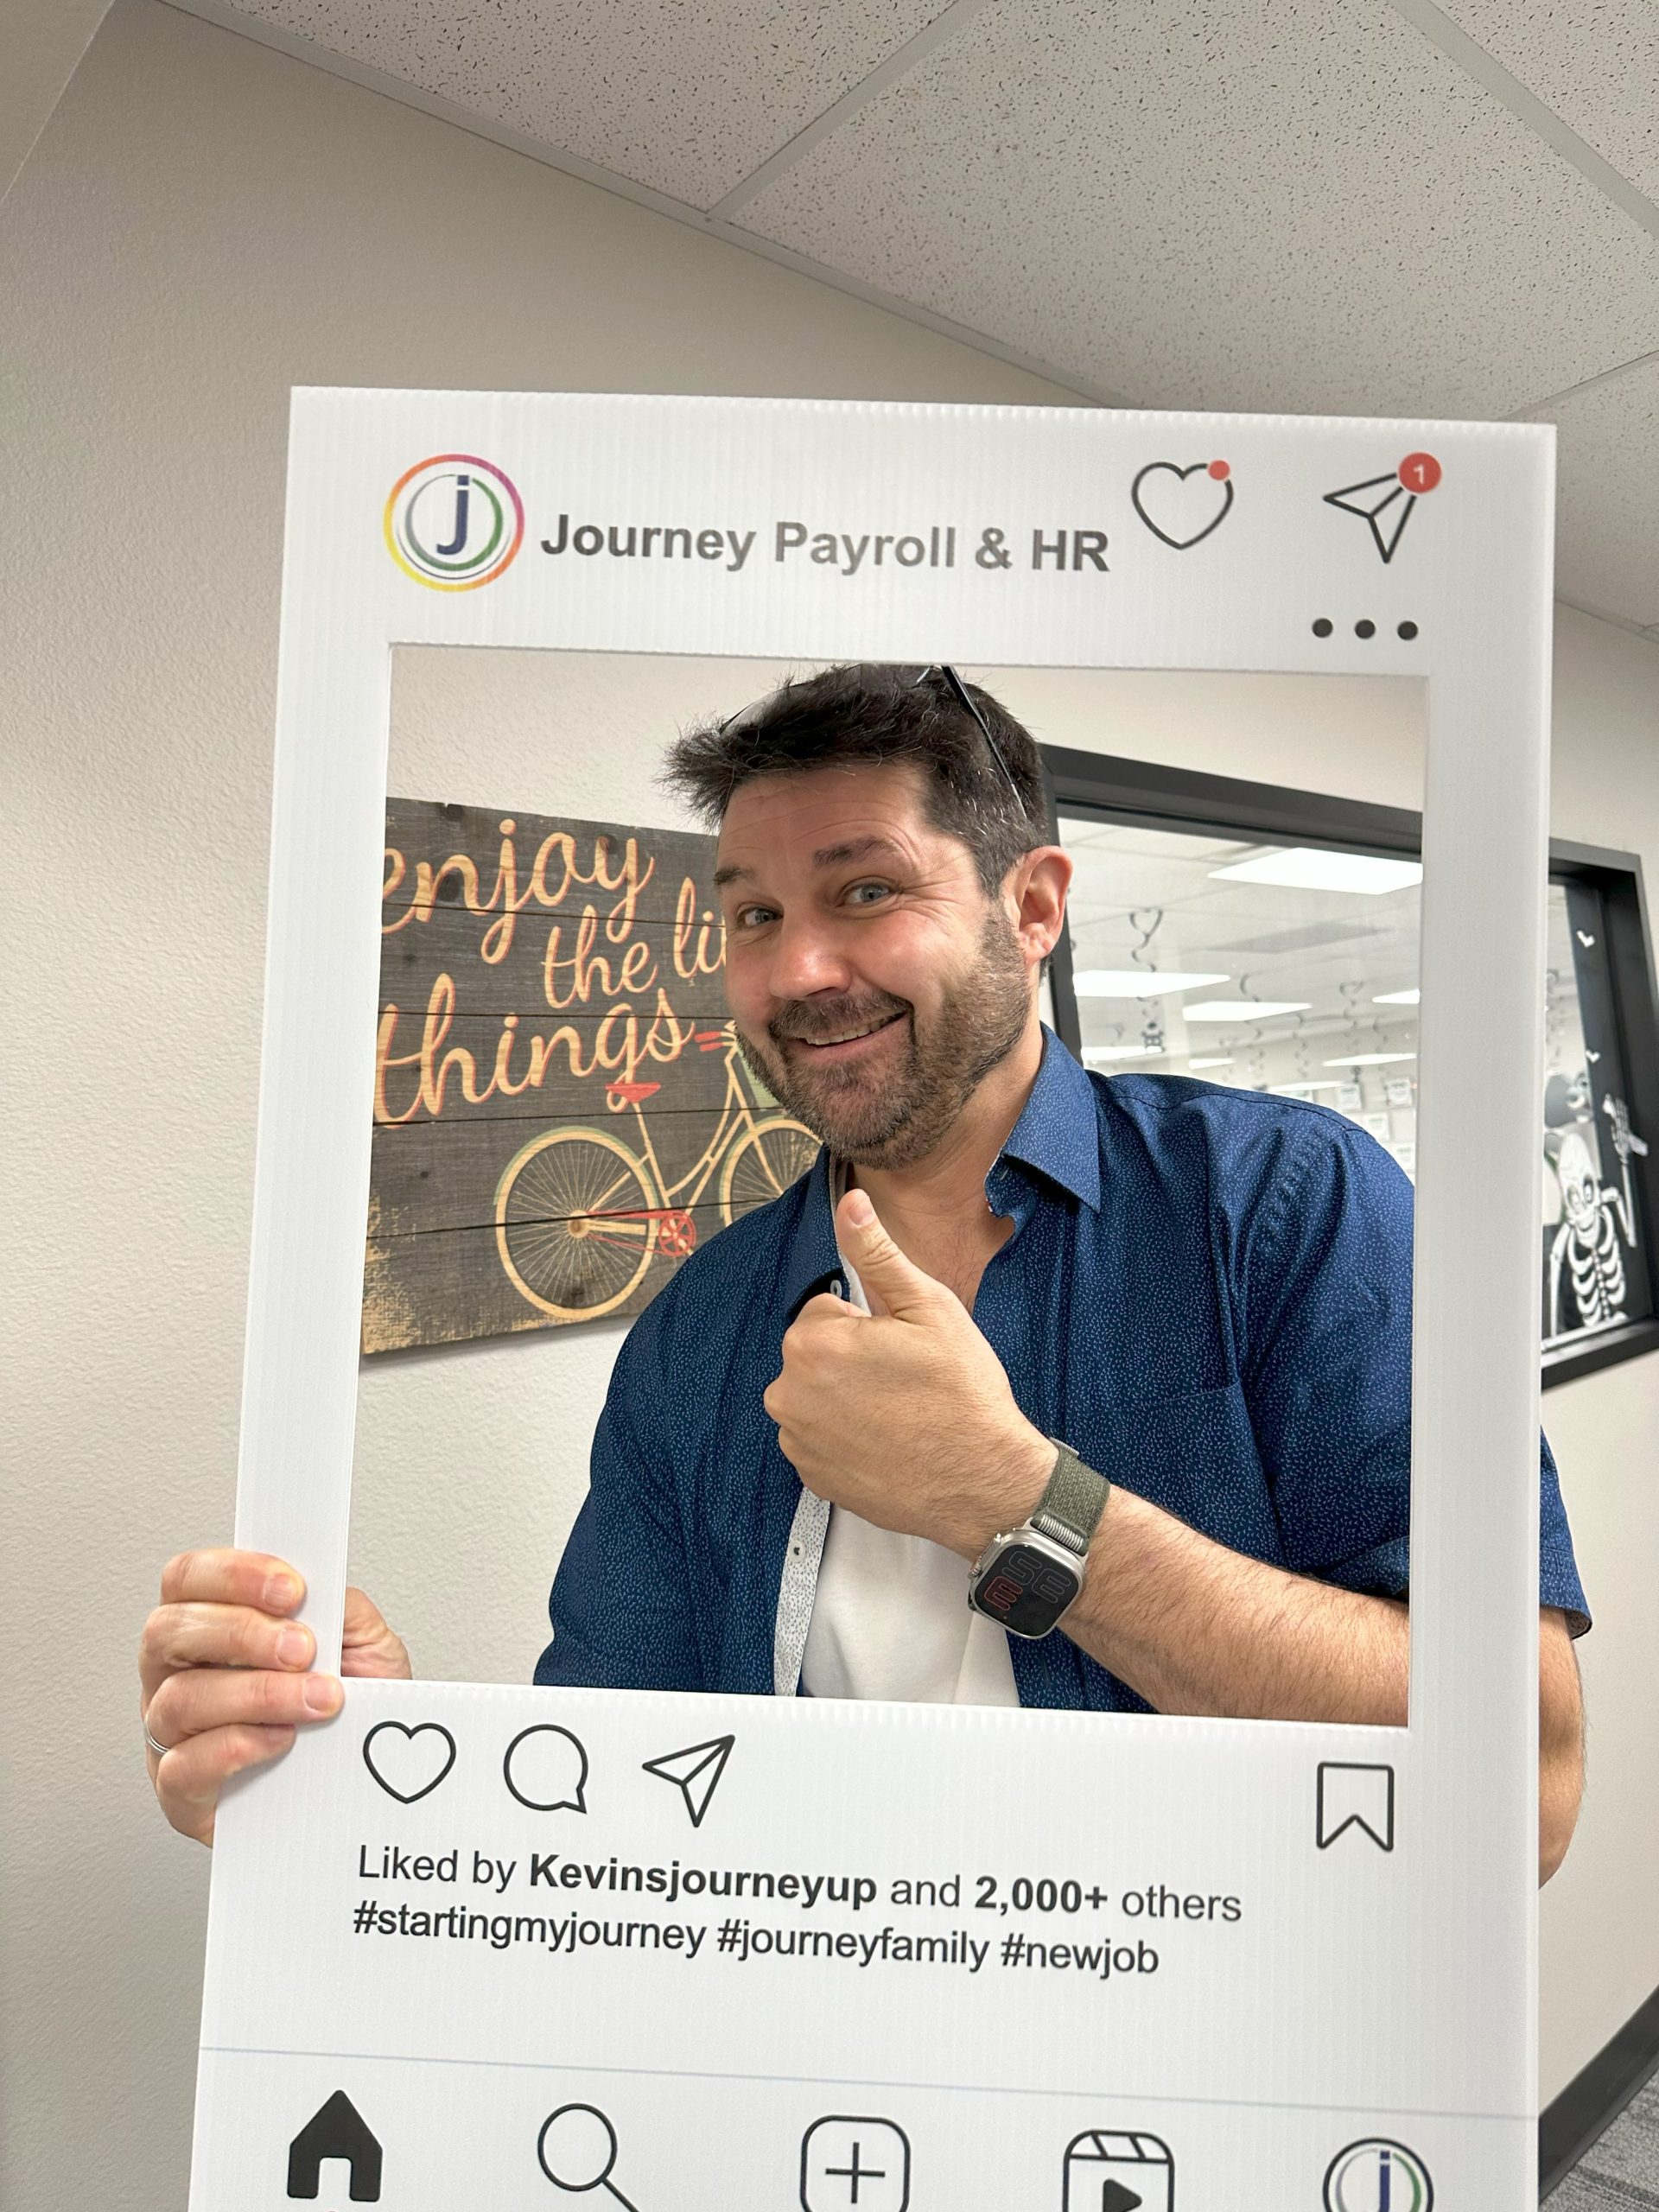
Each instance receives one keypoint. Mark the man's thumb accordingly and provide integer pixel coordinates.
(890, 1279)
(370, 1647)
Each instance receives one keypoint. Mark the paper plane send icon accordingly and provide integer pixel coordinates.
(1384, 503)
(694, 1771)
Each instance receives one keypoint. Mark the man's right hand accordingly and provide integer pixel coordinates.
(225, 1674)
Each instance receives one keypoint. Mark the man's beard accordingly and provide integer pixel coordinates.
(898, 1117)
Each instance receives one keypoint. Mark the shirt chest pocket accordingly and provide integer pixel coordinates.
(1192, 1452)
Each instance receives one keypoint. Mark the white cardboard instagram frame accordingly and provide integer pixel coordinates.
(1361, 1997)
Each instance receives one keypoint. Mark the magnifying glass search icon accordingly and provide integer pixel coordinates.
(576, 2150)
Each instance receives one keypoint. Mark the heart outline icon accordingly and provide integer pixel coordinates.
(1174, 468)
(402, 1728)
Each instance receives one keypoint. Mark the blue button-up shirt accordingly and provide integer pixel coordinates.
(1207, 1293)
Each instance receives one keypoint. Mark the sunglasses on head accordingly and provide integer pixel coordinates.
(963, 698)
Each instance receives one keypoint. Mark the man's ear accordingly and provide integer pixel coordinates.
(1035, 890)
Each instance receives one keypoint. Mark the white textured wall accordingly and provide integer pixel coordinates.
(202, 224)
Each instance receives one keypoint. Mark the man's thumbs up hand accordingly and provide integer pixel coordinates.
(904, 1416)
(892, 1284)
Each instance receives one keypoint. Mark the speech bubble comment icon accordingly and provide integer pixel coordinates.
(576, 2150)
(1358, 1799)
(409, 1763)
(546, 1769)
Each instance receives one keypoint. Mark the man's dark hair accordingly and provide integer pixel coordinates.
(875, 711)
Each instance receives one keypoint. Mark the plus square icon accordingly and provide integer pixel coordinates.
(851, 2164)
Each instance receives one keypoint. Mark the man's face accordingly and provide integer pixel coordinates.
(873, 984)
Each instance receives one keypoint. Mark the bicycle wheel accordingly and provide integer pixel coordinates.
(575, 1222)
(763, 1163)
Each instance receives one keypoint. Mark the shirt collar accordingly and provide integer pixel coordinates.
(1058, 1133)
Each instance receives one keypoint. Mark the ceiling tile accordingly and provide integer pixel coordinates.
(1595, 62)
(687, 100)
(1607, 541)
(1210, 203)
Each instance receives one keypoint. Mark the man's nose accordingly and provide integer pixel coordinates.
(806, 959)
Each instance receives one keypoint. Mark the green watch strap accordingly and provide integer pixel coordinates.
(1070, 1509)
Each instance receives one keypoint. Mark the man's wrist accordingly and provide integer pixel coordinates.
(1026, 1468)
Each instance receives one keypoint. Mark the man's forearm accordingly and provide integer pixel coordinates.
(1198, 1629)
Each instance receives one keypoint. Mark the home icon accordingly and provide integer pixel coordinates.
(337, 2131)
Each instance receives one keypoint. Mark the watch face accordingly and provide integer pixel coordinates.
(1026, 1589)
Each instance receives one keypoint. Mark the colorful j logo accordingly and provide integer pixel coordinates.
(1377, 2175)
(454, 522)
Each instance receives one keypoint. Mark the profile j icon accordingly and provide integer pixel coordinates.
(454, 522)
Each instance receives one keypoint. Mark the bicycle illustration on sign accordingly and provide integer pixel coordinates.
(579, 1215)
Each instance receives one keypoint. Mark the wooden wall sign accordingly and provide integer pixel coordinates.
(560, 1112)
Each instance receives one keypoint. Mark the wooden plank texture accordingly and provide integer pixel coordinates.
(562, 1114)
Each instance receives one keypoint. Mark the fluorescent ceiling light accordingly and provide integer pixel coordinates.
(1295, 1090)
(1122, 1052)
(1304, 867)
(1398, 998)
(1370, 1059)
(1242, 1009)
(1226, 1062)
(1136, 983)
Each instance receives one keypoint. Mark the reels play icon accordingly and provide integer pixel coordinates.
(1110, 2171)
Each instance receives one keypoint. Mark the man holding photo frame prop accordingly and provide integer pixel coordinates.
(1356, 2011)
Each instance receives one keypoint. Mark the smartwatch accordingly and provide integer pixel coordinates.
(1026, 1580)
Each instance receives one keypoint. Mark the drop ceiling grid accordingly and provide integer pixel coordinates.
(1307, 208)
(1607, 458)
(1595, 62)
(686, 100)
(1215, 926)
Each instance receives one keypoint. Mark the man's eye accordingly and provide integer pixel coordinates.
(866, 894)
(752, 918)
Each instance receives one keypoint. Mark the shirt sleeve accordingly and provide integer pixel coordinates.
(1326, 1273)
(620, 1601)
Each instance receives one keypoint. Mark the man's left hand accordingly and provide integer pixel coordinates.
(904, 1414)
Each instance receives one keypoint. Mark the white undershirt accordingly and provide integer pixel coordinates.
(891, 1616)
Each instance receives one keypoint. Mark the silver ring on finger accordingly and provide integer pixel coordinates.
(160, 1750)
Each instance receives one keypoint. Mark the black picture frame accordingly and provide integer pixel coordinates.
(1150, 796)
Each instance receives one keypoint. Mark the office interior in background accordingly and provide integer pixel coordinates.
(1412, 208)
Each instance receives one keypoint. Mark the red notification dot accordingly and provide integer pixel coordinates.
(1419, 472)
(1221, 470)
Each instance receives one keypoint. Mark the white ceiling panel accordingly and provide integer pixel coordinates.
(1607, 540)
(1305, 207)
(1595, 62)
(687, 100)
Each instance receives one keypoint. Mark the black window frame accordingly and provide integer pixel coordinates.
(1147, 795)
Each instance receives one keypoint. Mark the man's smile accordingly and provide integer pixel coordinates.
(844, 1043)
